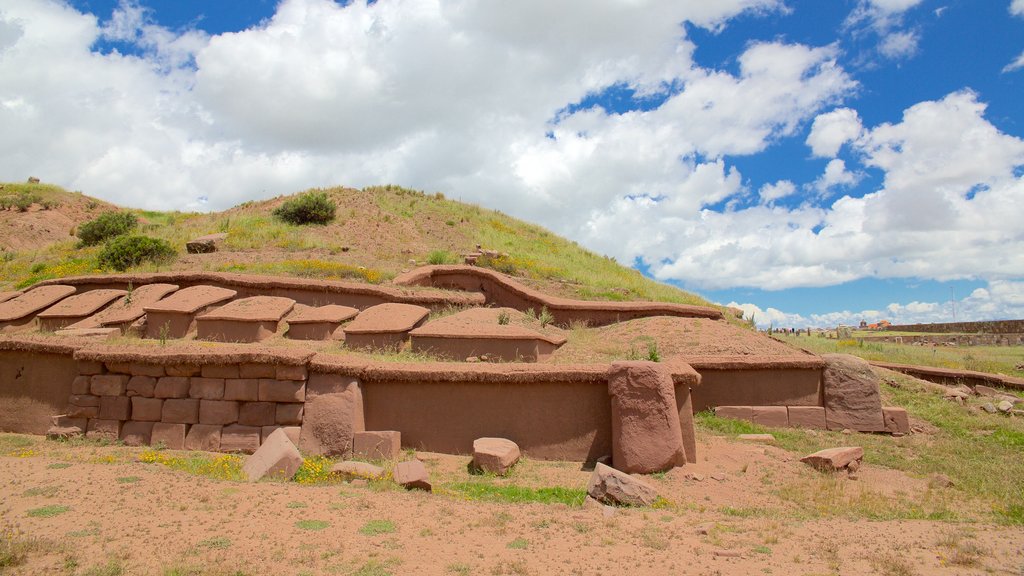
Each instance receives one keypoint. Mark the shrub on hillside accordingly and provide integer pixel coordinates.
(307, 208)
(123, 252)
(106, 226)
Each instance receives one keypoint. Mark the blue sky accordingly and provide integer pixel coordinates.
(812, 162)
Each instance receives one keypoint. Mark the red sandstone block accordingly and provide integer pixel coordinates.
(152, 370)
(285, 372)
(108, 384)
(103, 429)
(205, 437)
(245, 389)
(207, 388)
(257, 371)
(137, 433)
(182, 370)
(115, 407)
(293, 433)
(171, 387)
(218, 412)
(896, 420)
(220, 371)
(378, 445)
(735, 412)
(812, 417)
(83, 400)
(180, 411)
(119, 367)
(776, 416)
(258, 413)
(81, 385)
(172, 436)
(147, 409)
(328, 384)
(87, 368)
(141, 386)
(282, 390)
(83, 411)
(289, 414)
(238, 438)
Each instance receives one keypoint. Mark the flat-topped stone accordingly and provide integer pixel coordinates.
(5, 296)
(384, 325)
(174, 316)
(246, 320)
(205, 244)
(497, 333)
(128, 308)
(317, 322)
(20, 310)
(75, 308)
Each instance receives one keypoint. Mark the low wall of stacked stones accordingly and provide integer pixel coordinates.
(1015, 327)
(951, 339)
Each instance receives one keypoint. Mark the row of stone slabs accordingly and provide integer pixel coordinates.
(214, 315)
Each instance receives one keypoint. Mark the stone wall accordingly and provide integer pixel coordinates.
(987, 327)
(35, 381)
(951, 339)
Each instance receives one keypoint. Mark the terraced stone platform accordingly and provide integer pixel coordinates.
(317, 322)
(178, 311)
(126, 311)
(76, 308)
(493, 333)
(21, 310)
(384, 326)
(246, 320)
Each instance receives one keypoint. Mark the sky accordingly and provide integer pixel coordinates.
(814, 163)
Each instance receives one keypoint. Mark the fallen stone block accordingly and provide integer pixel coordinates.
(277, 457)
(495, 455)
(412, 474)
(206, 244)
(852, 400)
(349, 470)
(377, 445)
(646, 434)
(612, 486)
(831, 459)
(204, 437)
(896, 420)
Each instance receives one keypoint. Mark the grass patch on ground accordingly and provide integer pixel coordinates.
(488, 492)
(224, 467)
(377, 527)
(313, 525)
(16, 547)
(310, 268)
(48, 511)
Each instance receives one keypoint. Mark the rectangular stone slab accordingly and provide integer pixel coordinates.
(252, 309)
(388, 318)
(128, 308)
(23, 306)
(75, 308)
(178, 311)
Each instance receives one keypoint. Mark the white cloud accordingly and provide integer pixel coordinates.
(833, 129)
(1017, 7)
(898, 45)
(1017, 64)
(780, 189)
(835, 176)
(885, 19)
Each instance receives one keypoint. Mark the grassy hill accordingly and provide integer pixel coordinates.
(378, 232)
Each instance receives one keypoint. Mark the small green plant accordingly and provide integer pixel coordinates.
(296, 504)
(48, 511)
(108, 225)
(313, 525)
(312, 207)
(652, 352)
(545, 317)
(519, 544)
(504, 317)
(125, 252)
(376, 527)
(128, 479)
(165, 331)
(128, 296)
(440, 257)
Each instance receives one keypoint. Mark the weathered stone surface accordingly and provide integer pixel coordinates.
(137, 433)
(108, 384)
(204, 437)
(141, 386)
(83, 411)
(81, 385)
(65, 421)
(206, 388)
(88, 367)
(831, 459)
(171, 435)
(245, 389)
(896, 420)
(1004, 406)
(982, 390)
(282, 390)
(220, 371)
(412, 474)
(377, 445)
(851, 394)
(350, 469)
(84, 400)
(646, 436)
(612, 486)
(258, 413)
(147, 409)
(256, 371)
(276, 457)
(205, 244)
(293, 433)
(495, 455)
(103, 429)
(171, 387)
(289, 414)
(774, 416)
(810, 417)
(330, 421)
(183, 370)
(115, 407)
(238, 438)
(180, 411)
(218, 412)
(735, 412)
(289, 372)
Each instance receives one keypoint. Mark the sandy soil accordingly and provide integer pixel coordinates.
(748, 514)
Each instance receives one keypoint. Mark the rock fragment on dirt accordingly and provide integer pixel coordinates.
(646, 434)
(206, 244)
(350, 470)
(495, 455)
(276, 457)
(989, 407)
(412, 474)
(612, 486)
(832, 459)
(1004, 406)
(852, 399)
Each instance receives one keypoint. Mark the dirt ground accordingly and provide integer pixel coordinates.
(742, 509)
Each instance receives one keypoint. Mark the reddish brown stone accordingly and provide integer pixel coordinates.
(811, 417)
(615, 487)
(896, 420)
(330, 420)
(84, 400)
(180, 411)
(289, 414)
(328, 384)
(245, 389)
(775, 416)
(151, 370)
(205, 437)
(137, 433)
(276, 457)
(206, 388)
(286, 372)
(257, 371)
(183, 370)
(108, 384)
(83, 411)
(220, 371)
(852, 399)
(218, 412)
(293, 433)
(87, 368)
(171, 387)
(103, 429)
(735, 412)
(258, 413)
(81, 385)
(282, 390)
(119, 367)
(834, 458)
(171, 436)
(141, 386)
(238, 438)
(646, 435)
(147, 409)
(115, 407)
(493, 455)
(412, 475)
(377, 445)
